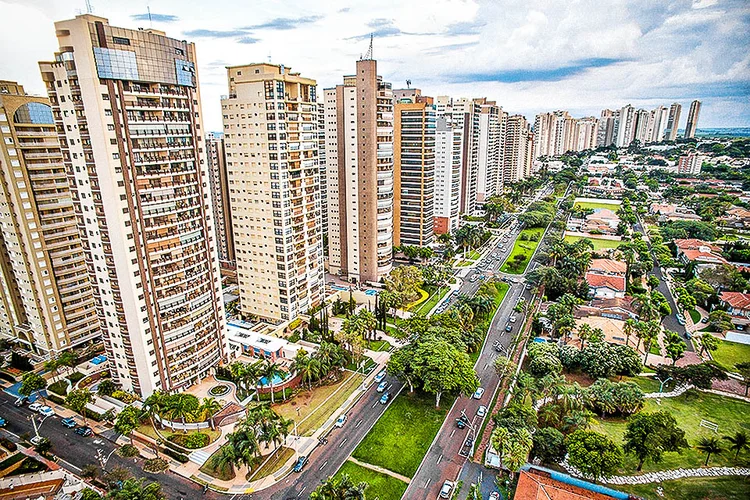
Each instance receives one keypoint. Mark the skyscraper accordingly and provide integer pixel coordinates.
(465, 115)
(127, 111)
(519, 150)
(322, 168)
(414, 171)
(692, 119)
(491, 121)
(46, 298)
(359, 159)
(626, 125)
(606, 130)
(448, 144)
(673, 122)
(217, 168)
(271, 136)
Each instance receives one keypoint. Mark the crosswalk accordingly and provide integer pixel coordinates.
(199, 457)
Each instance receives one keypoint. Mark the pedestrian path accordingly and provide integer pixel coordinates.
(664, 475)
(199, 457)
(382, 470)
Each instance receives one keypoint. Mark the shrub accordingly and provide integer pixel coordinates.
(57, 399)
(155, 465)
(106, 387)
(60, 387)
(190, 441)
(125, 397)
(128, 451)
(89, 494)
(176, 455)
(20, 362)
(605, 397)
(75, 377)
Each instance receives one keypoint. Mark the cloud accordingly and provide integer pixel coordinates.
(464, 28)
(442, 49)
(384, 28)
(344, 10)
(248, 40)
(202, 33)
(284, 23)
(534, 75)
(159, 18)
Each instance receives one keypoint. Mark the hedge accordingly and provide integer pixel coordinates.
(75, 377)
(176, 455)
(190, 441)
(60, 387)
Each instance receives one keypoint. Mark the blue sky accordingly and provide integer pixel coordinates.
(528, 55)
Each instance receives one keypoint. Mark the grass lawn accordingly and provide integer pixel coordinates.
(647, 384)
(433, 300)
(149, 431)
(694, 488)
(314, 406)
(273, 465)
(731, 415)
(502, 289)
(695, 316)
(591, 205)
(378, 345)
(730, 353)
(464, 263)
(400, 439)
(380, 485)
(525, 248)
(599, 244)
(473, 255)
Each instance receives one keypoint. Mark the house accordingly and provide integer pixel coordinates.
(612, 329)
(737, 303)
(703, 253)
(539, 483)
(247, 340)
(608, 266)
(603, 286)
(672, 211)
(736, 217)
(617, 308)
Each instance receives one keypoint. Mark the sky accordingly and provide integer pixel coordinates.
(530, 56)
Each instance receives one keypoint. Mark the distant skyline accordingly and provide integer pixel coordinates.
(530, 56)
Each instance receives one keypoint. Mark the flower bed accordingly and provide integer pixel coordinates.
(219, 390)
(190, 441)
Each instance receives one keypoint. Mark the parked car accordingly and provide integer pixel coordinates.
(301, 462)
(21, 401)
(478, 393)
(84, 431)
(681, 319)
(508, 328)
(494, 495)
(460, 423)
(382, 386)
(512, 319)
(379, 377)
(445, 491)
(482, 411)
(3, 423)
(47, 411)
(340, 421)
(36, 406)
(385, 398)
(704, 320)
(70, 423)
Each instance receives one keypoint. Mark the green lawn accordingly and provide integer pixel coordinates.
(432, 301)
(731, 415)
(525, 248)
(401, 437)
(694, 488)
(473, 255)
(378, 345)
(502, 289)
(730, 353)
(695, 316)
(379, 485)
(599, 244)
(647, 384)
(590, 205)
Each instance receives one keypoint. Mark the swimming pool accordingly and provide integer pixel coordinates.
(346, 289)
(277, 380)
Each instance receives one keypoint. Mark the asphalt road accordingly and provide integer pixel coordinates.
(75, 452)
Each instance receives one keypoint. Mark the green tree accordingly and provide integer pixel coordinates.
(739, 442)
(339, 488)
(549, 445)
(649, 435)
(78, 399)
(708, 343)
(512, 446)
(593, 454)
(443, 367)
(674, 346)
(719, 320)
(709, 446)
(744, 370)
(127, 421)
(404, 283)
(270, 371)
(401, 366)
(136, 489)
(32, 382)
(106, 387)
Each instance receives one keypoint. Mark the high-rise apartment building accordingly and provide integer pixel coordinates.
(643, 126)
(271, 137)
(492, 120)
(606, 130)
(657, 122)
(46, 298)
(448, 143)
(322, 168)
(519, 150)
(690, 163)
(359, 159)
(554, 133)
(692, 119)
(584, 134)
(465, 115)
(414, 171)
(215, 158)
(626, 125)
(673, 122)
(127, 111)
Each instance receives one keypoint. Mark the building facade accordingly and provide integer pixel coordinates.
(519, 150)
(673, 122)
(128, 116)
(322, 168)
(492, 120)
(448, 142)
(215, 158)
(271, 135)
(46, 300)
(359, 161)
(690, 163)
(692, 120)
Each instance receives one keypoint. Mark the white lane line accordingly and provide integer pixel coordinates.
(440, 458)
(324, 464)
(452, 433)
(358, 423)
(343, 442)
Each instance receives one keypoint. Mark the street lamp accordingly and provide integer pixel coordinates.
(36, 429)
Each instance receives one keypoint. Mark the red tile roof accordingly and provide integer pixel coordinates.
(610, 266)
(694, 244)
(737, 300)
(693, 255)
(616, 283)
(536, 484)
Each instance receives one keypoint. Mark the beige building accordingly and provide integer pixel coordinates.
(492, 123)
(519, 150)
(271, 137)
(447, 176)
(692, 120)
(359, 160)
(46, 299)
(414, 171)
(673, 122)
(128, 116)
(215, 158)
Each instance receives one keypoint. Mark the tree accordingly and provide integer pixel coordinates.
(744, 370)
(77, 401)
(709, 446)
(400, 365)
(106, 387)
(674, 346)
(593, 454)
(404, 282)
(208, 408)
(127, 421)
(719, 320)
(443, 367)
(549, 445)
(708, 343)
(270, 371)
(180, 406)
(649, 435)
(136, 489)
(32, 382)
(504, 367)
(739, 442)
(512, 446)
(339, 488)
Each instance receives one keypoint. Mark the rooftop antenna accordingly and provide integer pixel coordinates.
(89, 7)
(150, 22)
(408, 84)
(368, 54)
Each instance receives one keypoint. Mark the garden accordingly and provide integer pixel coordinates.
(523, 249)
(729, 354)
(593, 205)
(379, 485)
(599, 243)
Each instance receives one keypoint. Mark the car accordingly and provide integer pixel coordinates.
(478, 393)
(385, 398)
(447, 488)
(528, 286)
(70, 423)
(340, 421)
(469, 442)
(512, 319)
(47, 411)
(460, 423)
(382, 386)
(494, 495)
(21, 401)
(508, 328)
(84, 431)
(704, 320)
(474, 278)
(482, 411)
(3, 423)
(301, 462)
(681, 319)
(379, 377)
(36, 406)
(498, 347)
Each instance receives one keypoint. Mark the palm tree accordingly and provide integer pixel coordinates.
(181, 406)
(709, 446)
(209, 407)
(629, 329)
(52, 366)
(270, 371)
(226, 457)
(302, 365)
(740, 442)
(647, 307)
(584, 333)
(154, 406)
(339, 488)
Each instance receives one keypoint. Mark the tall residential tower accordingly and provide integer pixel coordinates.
(692, 119)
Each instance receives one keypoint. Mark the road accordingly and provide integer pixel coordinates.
(75, 452)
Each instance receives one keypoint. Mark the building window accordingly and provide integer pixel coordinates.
(120, 40)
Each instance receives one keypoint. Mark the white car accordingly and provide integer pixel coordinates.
(478, 393)
(36, 406)
(445, 491)
(47, 411)
(482, 411)
(379, 377)
(340, 421)
(382, 386)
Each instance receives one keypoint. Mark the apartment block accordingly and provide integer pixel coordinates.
(673, 122)
(127, 112)
(519, 150)
(690, 163)
(692, 120)
(492, 121)
(448, 143)
(271, 135)
(625, 126)
(414, 171)
(584, 134)
(46, 299)
(322, 168)
(220, 194)
(605, 135)
(359, 163)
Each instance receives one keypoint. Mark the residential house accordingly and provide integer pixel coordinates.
(738, 305)
(672, 211)
(613, 331)
(703, 253)
(736, 217)
(603, 220)
(617, 308)
(606, 278)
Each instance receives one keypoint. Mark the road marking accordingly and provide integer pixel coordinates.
(358, 423)
(485, 366)
(452, 433)
(440, 458)
(374, 404)
(324, 464)
(300, 491)
(342, 442)
(426, 483)
(77, 469)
